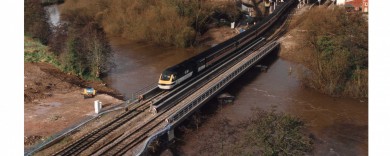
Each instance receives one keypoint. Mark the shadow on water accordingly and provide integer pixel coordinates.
(249, 76)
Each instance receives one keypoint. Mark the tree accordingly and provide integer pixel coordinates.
(36, 21)
(336, 50)
(97, 48)
(86, 52)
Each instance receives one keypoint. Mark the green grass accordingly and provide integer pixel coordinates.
(34, 51)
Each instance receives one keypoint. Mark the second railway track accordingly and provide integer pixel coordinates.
(90, 138)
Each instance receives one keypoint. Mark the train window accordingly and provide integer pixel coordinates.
(166, 75)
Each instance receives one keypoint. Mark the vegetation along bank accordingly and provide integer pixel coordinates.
(332, 50)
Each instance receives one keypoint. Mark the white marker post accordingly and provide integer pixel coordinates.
(98, 106)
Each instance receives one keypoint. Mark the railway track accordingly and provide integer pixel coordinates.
(134, 136)
(87, 140)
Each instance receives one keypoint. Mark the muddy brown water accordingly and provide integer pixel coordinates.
(340, 125)
(139, 65)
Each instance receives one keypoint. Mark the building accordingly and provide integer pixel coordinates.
(358, 5)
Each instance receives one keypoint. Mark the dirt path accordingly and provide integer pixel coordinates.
(53, 101)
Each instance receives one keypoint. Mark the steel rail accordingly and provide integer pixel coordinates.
(84, 142)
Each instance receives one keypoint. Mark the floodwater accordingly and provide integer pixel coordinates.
(54, 14)
(139, 65)
(340, 125)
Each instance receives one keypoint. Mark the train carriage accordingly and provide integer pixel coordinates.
(179, 73)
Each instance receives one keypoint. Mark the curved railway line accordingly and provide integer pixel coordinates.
(147, 123)
(87, 140)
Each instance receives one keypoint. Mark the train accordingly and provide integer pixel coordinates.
(191, 67)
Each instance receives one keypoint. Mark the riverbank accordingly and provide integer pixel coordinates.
(331, 53)
(53, 99)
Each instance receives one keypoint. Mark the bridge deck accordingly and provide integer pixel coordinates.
(208, 91)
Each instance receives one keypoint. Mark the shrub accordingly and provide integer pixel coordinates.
(163, 22)
(82, 45)
(277, 134)
(336, 52)
(265, 133)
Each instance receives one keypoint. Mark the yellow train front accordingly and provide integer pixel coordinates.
(176, 74)
(166, 80)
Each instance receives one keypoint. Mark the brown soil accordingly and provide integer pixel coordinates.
(53, 101)
(289, 42)
(217, 35)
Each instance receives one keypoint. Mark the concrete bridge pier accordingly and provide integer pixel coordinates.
(171, 134)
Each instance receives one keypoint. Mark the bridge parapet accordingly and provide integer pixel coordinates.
(221, 82)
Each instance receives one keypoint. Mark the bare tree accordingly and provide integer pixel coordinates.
(98, 49)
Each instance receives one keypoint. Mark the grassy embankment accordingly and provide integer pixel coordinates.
(333, 51)
(35, 51)
(163, 22)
